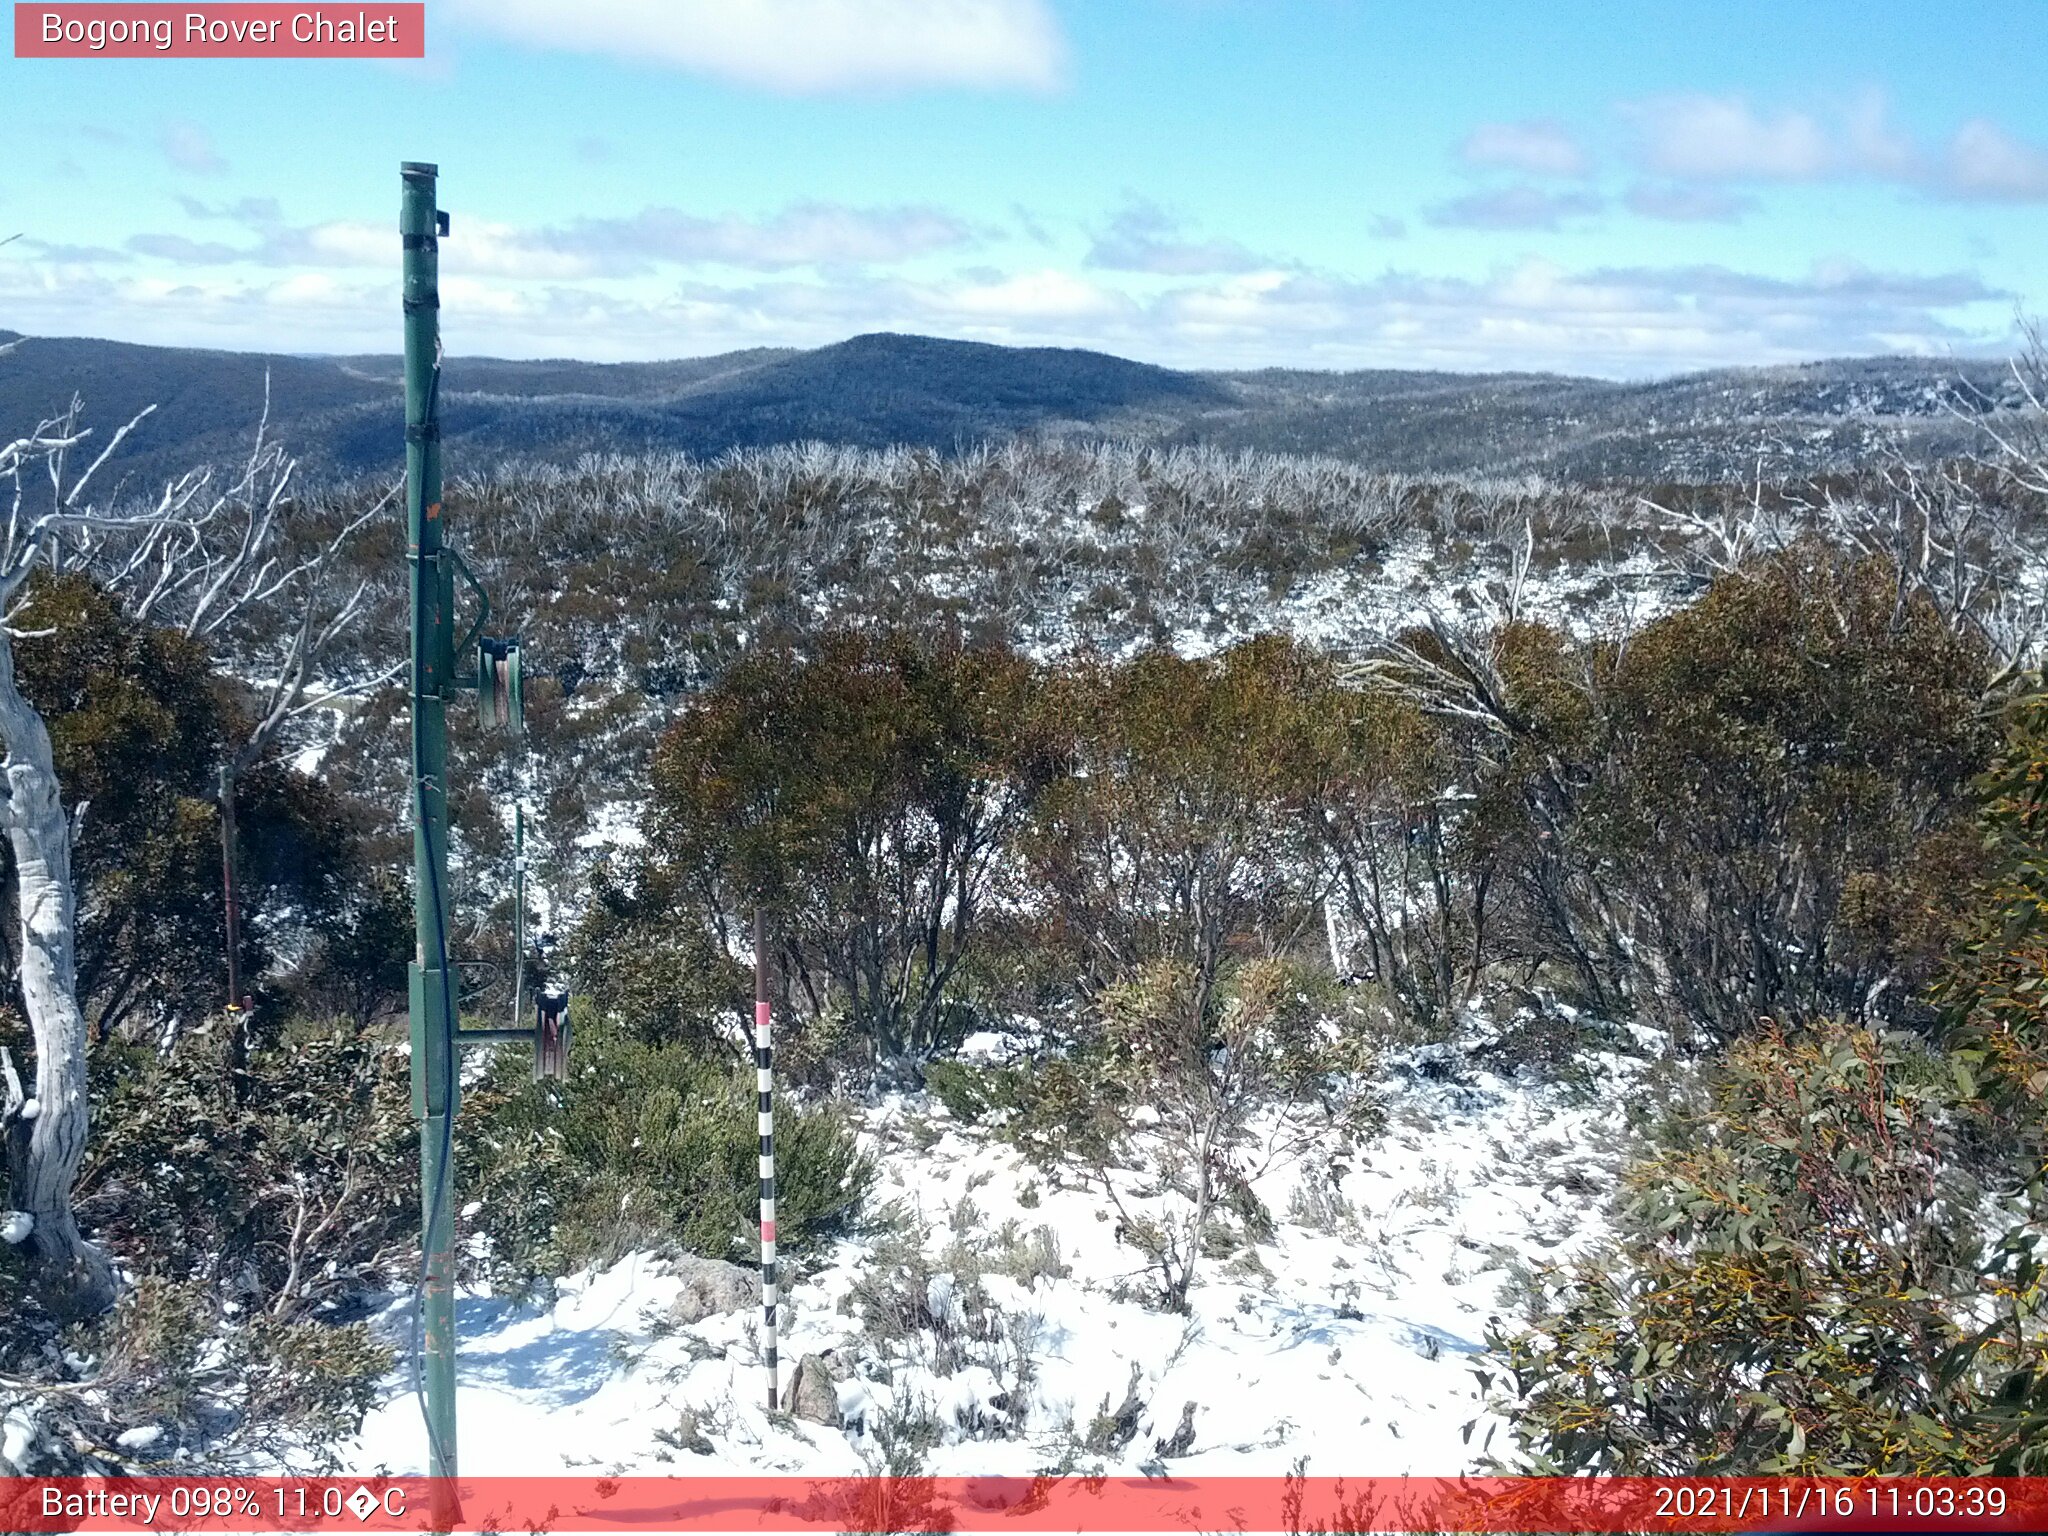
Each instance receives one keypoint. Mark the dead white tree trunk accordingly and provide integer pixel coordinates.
(46, 1133)
(168, 551)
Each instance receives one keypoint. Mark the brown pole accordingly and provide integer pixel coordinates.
(227, 882)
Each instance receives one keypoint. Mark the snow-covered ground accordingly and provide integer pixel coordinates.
(1348, 1338)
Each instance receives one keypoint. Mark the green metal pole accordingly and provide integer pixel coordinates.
(434, 1081)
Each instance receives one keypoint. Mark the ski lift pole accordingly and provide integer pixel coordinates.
(764, 1088)
(434, 1079)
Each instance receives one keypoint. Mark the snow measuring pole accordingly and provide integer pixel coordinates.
(764, 1090)
(436, 1035)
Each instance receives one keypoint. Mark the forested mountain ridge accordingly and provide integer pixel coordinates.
(340, 414)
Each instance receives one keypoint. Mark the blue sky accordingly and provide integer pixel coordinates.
(1625, 190)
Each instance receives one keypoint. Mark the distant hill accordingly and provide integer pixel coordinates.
(342, 414)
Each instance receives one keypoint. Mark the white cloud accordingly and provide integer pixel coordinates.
(800, 46)
(248, 210)
(187, 252)
(1686, 203)
(1617, 321)
(1516, 207)
(1723, 138)
(1624, 321)
(1874, 145)
(1143, 237)
(1539, 147)
(1984, 161)
(189, 147)
(477, 247)
(803, 234)
(1705, 139)
(1045, 295)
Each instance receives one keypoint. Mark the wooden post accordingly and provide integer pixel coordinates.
(229, 898)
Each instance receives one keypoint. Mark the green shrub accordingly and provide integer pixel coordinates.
(641, 960)
(1754, 806)
(140, 719)
(972, 1094)
(1410, 871)
(1177, 835)
(1992, 988)
(1801, 1285)
(289, 1184)
(645, 1145)
(1783, 791)
(221, 1386)
(864, 790)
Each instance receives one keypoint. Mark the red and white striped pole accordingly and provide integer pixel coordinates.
(764, 1088)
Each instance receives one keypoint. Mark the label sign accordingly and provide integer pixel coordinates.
(239, 31)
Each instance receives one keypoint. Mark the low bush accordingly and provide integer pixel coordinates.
(221, 1387)
(289, 1184)
(254, 1207)
(1802, 1285)
(1200, 1090)
(645, 1144)
(971, 1093)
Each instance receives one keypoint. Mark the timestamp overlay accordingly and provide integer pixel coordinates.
(1027, 1504)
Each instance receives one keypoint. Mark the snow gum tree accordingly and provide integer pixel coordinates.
(1181, 832)
(199, 558)
(46, 1129)
(865, 792)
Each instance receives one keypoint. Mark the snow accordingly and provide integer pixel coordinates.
(17, 1438)
(615, 824)
(985, 1045)
(1350, 608)
(1348, 1338)
(15, 1227)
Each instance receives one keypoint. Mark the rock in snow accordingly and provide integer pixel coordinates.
(710, 1286)
(812, 1395)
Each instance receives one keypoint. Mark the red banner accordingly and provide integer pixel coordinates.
(1044, 1504)
(117, 31)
